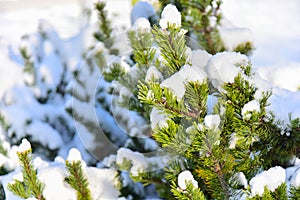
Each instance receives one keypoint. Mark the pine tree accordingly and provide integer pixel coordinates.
(213, 146)
(202, 19)
(30, 186)
(197, 131)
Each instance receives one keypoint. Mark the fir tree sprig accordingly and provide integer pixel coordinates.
(30, 186)
(164, 99)
(77, 180)
(190, 193)
(105, 29)
(142, 44)
(172, 46)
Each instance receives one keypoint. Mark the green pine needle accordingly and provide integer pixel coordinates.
(77, 180)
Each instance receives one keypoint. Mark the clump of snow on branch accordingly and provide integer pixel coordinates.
(140, 163)
(153, 74)
(200, 58)
(212, 121)
(141, 23)
(249, 108)
(170, 16)
(158, 118)
(24, 146)
(271, 178)
(222, 68)
(186, 177)
(176, 83)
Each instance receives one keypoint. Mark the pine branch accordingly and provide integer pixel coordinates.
(172, 46)
(77, 180)
(142, 43)
(104, 23)
(30, 186)
(163, 99)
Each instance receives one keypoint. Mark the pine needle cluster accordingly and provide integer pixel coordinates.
(30, 186)
(77, 180)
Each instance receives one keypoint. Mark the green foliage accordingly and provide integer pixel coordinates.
(189, 194)
(77, 180)
(197, 18)
(142, 44)
(294, 193)
(115, 72)
(214, 155)
(30, 186)
(244, 48)
(279, 193)
(105, 29)
(172, 46)
(202, 19)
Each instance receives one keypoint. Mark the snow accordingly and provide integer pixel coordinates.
(192, 74)
(10, 73)
(55, 187)
(158, 118)
(274, 28)
(102, 183)
(142, 9)
(222, 68)
(45, 134)
(295, 181)
(233, 140)
(242, 179)
(284, 76)
(153, 74)
(185, 177)
(24, 146)
(251, 106)
(271, 178)
(211, 102)
(212, 121)
(200, 58)
(170, 16)
(233, 36)
(138, 160)
(284, 103)
(276, 57)
(141, 23)
(74, 155)
(176, 82)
